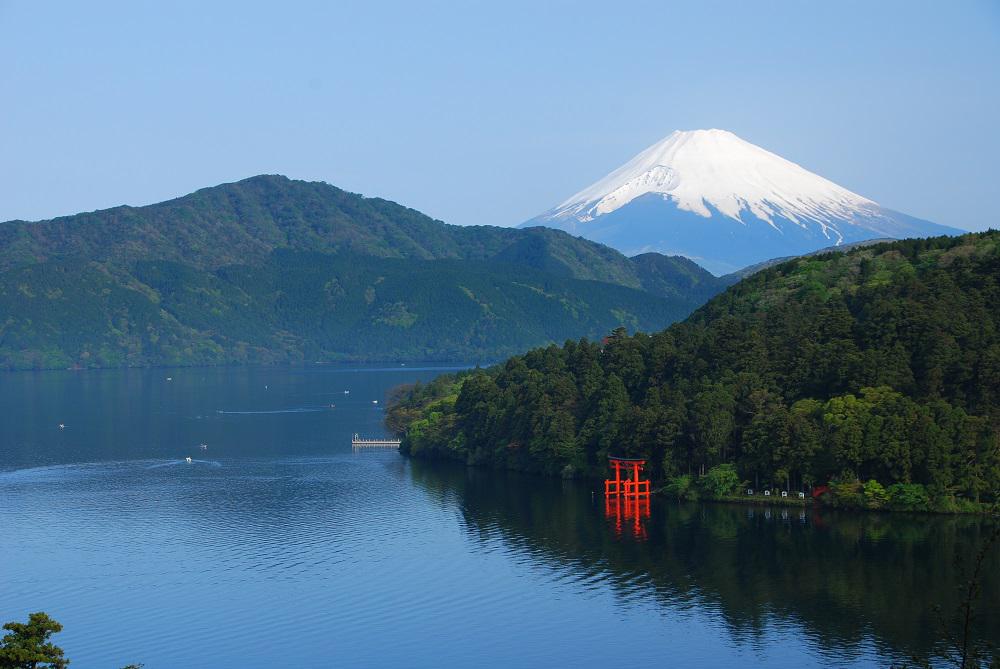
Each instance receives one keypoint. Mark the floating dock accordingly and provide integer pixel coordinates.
(374, 442)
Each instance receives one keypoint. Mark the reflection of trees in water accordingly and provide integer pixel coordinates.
(844, 577)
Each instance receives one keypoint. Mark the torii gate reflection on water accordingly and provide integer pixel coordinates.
(627, 498)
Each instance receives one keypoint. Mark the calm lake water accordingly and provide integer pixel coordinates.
(280, 546)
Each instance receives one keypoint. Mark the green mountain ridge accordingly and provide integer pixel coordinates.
(242, 222)
(271, 270)
(879, 366)
(739, 275)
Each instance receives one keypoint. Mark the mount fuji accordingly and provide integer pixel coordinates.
(725, 203)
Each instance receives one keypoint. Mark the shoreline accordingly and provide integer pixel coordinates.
(811, 503)
(744, 500)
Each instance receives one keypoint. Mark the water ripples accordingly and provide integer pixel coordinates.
(280, 546)
(208, 562)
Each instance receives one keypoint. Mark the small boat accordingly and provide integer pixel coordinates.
(203, 447)
(347, 392)
(188, 460)
(170, 378)
(62, 426)
(374, 401)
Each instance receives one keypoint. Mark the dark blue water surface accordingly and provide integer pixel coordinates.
(280, 546)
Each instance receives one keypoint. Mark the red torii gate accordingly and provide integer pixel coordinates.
(631, 490)
(631, 485)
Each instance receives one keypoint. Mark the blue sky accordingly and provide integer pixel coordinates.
(490, 112)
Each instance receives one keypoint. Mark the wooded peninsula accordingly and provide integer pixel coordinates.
(875, 372)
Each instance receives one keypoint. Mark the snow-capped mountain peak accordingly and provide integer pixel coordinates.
(759, 204)
(702, 168)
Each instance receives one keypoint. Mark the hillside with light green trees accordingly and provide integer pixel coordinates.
(271, 270)
(876, 371)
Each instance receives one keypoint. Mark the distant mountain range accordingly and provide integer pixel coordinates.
(725, 203)
(273, 270)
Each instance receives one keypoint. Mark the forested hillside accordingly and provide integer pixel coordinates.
(877, 370)
(270, 270)
(301, 307)
(242, 223)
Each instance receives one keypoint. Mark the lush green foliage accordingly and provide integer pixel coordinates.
(721, 480)
(273, 270)
(682, 487)
(880, 365)
(27, 645)
(301, 307)
(242, 223)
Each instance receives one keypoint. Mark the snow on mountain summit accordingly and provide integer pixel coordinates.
(772, 205)
(696, 168)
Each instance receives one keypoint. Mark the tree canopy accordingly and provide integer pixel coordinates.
(270, 270)
(882, 364)
(27, 645)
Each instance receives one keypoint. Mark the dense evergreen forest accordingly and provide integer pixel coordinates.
(877, 371)
(302, 307)
(270, 270)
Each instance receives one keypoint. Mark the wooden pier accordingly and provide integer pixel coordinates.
(374, 442)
